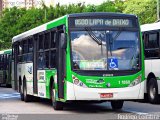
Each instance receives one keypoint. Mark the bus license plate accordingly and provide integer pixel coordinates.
(106, 95)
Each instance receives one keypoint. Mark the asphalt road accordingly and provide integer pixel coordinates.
(12, 108)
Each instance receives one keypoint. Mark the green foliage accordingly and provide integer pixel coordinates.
(8, 25)
(17, 20)
(106, 7)
(144, 9)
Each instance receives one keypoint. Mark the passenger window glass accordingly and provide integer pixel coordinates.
(47, 59)
(53, 39)
(30, 45)
(40, 60)
(41, 40)
(20, 49)
(153, 41)
(30, 57)
(24, 59)
(53, 59)
(47, 41)
(25, 47)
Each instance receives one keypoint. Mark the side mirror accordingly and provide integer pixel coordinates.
(63, 40)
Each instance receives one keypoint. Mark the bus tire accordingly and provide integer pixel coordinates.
(27, 98)
(21, 90)
(117, 104)
(152, 90)
(57, 105)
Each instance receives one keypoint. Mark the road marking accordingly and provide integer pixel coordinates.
(7, 96)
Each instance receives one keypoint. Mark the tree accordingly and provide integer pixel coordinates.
(107, 6)
(8, 24)
(144, 9)
(17, 20)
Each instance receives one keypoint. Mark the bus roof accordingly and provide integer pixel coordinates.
(1, 52)
(56, 22)
(6, 51)
(101, 14)
(36, 30)
(150, 27)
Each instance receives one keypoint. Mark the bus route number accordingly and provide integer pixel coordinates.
(124, 82)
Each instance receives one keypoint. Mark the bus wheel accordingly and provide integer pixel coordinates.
(57, 105)
(117, 105)
(152, 91)
(27, 98)
(21, 92)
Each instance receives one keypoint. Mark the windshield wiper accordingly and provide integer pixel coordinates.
(93, 36)
(111, 40)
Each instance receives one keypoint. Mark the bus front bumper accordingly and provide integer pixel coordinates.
(75, 92)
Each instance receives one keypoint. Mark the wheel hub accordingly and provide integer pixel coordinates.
(152, 92)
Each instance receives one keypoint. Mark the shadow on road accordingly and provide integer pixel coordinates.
(85, 107)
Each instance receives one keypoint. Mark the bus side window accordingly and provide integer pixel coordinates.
(25, 50)
(13, 52)
(46, 59)
(53, 39)
(145, 38)
(53, 50)
(30, 45)
(53, 59)
(0, 62)
(40, 60)
(30, 50)
(47, 41)
(151, 41)
(46, 49)
(41, 51)
(41, 42)
(20, 52)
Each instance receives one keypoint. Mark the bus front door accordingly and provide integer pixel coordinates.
(61, 64)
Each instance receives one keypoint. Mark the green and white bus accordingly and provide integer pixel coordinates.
(151, 37)
(81, 57)
(5, 67)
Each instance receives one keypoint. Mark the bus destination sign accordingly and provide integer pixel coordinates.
(103, 22)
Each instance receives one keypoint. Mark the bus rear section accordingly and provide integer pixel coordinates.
(5, 68)
(152, 61)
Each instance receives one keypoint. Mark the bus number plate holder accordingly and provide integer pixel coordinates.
(106, 95)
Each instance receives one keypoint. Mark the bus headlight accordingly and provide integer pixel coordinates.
(136, 81)
(77, 82)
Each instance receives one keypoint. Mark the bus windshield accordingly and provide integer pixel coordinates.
(115, 50)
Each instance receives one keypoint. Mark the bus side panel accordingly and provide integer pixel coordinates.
(9, 69)
(148, 64)
(1, 76)
(41, 77)
(156, 70)
(70, 91)
(152, 66)
(28, 73)
(158, 81)
(12, 76)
